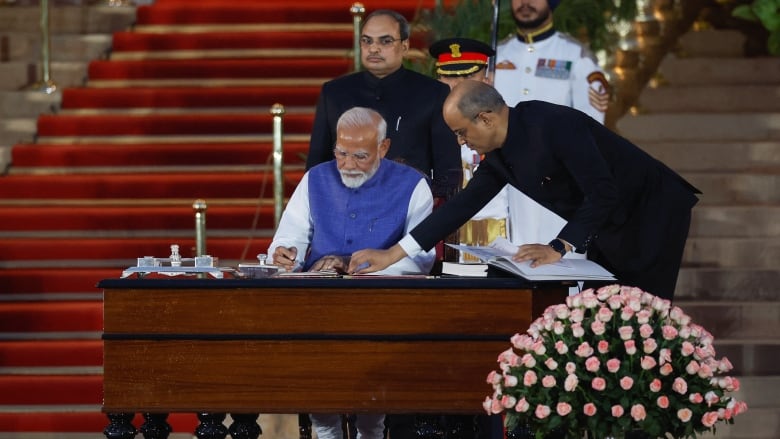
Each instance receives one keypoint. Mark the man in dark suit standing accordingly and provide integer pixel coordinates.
(410, 102)
(629, 211)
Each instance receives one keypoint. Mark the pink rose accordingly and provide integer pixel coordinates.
(561, 347)
(626, 332)
(529, 379)
(669, 332)
(648, 362)
(684, 415)
(571, 367)
(548, 381)
(495, 406)
(617, 411)
(510, 381)
(709, 419)
(643, 316)
(577, 315)
(589, 409)
(711, 398)
(638, 412)
(487, 404)
(598, 383)
(613, 365)
(692, 367)
(584, 350)
(558, 327)
(649, 345)
(551, 363)
(598, 327)
(705, 371)
(508, 401)
(662, 401)
(603, 346)
(655, 385)
(592, 364)
(522, 406)
(626, 313)
(630, 346)
(645, 330)
(724, 365)
(493, 377)
(542, 411)
(666, 369)
(696, 398)
(604, 314)
(680, 386)
(577, 330)
(563, 408)
(528, 361)
(571, 382)
(664, 356)
(626, 383)
(539, 348)
(508, 357)
(521, 341)
(562, 312)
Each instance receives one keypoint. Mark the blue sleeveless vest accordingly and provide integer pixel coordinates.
(371, 216)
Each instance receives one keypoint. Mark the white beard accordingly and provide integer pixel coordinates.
(355, 179)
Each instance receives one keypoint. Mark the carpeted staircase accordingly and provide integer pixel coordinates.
(179, 110)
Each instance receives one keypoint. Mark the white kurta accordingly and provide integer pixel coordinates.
(559, 70)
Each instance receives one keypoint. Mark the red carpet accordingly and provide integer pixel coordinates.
(128, 249)
(51, 389)
(153, 154)
(168, 124)
(51, 316)
(60, 281)
(170, 217)
(219, 68)
(151, 42)
(188, 97)
(51, 353)
(140, 186)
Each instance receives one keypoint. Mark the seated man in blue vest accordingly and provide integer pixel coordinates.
(357, 200)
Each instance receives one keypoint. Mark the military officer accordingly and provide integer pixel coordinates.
(458, 59)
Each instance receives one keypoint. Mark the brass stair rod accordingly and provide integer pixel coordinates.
(277, 110)
(45, 83)
(200, 227)
(357, 11)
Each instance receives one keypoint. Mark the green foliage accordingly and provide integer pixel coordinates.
(585, 19)
(767, 12)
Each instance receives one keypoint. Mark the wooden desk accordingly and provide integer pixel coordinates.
(310, 345)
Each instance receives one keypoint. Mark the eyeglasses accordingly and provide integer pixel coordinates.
(385, 41)
(358, 157)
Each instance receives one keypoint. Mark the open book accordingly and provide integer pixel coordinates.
(499, 254)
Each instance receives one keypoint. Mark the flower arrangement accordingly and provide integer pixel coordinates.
(612, 361)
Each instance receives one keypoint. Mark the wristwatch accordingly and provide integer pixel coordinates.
(558, 246)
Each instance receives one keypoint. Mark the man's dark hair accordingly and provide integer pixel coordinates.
(403, 24)
(479, 97)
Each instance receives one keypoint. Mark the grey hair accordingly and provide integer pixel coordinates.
(478, 98)
(403, 24)
(358, 117)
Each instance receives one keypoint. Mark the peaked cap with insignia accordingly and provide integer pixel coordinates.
(460, 56)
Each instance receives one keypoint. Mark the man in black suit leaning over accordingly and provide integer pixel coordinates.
(410, 102)
(629, 211)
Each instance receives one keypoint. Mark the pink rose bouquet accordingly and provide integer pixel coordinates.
(611, 361)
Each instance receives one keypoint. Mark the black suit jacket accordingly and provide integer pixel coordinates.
(411, 103)
(611, 193)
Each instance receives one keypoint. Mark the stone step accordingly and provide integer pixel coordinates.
(736, 320)
(761, 423)
(735, 221)
(715, 127)
(739, 189)
(711, 43)
(720, 71)
(28, 104)
(719, 252)
(718, 283)
(96, 19)
(26, 46)
(710, 99)
(18, 75)
(734, 156)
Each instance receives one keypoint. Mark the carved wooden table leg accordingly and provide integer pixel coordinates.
(211, 426)
(155, 426)
(245, 426)
(120, 426)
